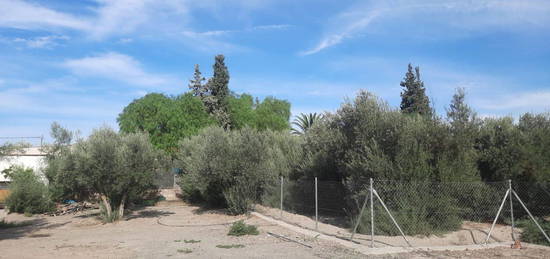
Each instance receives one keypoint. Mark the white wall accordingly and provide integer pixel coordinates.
(31, 158)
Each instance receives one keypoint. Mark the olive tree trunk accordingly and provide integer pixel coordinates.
(107, 206)
(121, 207)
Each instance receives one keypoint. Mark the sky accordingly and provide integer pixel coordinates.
(81, 62)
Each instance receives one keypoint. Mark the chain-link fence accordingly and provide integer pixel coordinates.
(405, 213)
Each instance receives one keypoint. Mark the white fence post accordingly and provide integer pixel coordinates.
(371, 216)
(282, 182)
(316, 207)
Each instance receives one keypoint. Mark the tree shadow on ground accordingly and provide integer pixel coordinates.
(148, 214)
(28, 227)
(210, 210)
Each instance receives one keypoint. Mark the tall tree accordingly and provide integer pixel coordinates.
(196, 86)
(459, 114)
(413, 97)
(119, 168)
(166, 119)
(218, 86)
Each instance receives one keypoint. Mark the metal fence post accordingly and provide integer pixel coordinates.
(371, 216)
(359, 218)
(282, 182)
(498, 213)
(511, 210)
(316, 207)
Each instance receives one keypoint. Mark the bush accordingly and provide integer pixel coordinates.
(239, 228)
(233, 168)
(531, 233)
(28, 194)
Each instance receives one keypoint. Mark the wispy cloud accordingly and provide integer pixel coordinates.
(347, 30)
(46, 42)
(24, 15)
(452, 15)
(524, 101)
(115, 66)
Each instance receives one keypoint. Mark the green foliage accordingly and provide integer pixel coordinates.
(185, 251)
(118, 167)
(167, 120)
(232, 168)
(271, 113)
(218, 86)
(196, 86)
(304, 122)
(531, 233)
(61, 186)
(28, 194)
(413, 97)
(240, 228)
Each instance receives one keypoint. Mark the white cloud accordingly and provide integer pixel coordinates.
(115, 66)
(41, 42)
(23, 15)
(429, 16)
(525, 101)
(121, 17)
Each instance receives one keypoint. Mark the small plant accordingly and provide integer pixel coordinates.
(4, 224)
(239, 228)
(185, 251)
(191, 241)
(230, 246)
(177, 241)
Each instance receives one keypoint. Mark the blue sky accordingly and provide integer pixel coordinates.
(80, 62)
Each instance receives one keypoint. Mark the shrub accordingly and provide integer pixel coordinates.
(28, 194)
(239, 228)
(531, 233)
(233, 168)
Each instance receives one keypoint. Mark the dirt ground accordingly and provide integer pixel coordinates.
(471, 233)
(155, 232)
(176, 230)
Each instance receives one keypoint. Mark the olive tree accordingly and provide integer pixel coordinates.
(116, 167)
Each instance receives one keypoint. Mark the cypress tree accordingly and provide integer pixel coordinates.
(459, 113)
(413, 97)
(196, 86)
(218, 86)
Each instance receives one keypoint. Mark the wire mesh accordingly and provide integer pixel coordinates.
(429, 213)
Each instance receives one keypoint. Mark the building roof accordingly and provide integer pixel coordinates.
(29, 151)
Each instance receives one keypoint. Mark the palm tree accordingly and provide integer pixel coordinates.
(303, 122)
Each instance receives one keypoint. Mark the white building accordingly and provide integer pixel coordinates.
(31, 157)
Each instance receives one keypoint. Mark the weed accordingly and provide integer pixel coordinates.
(239, 228)
(191, 241)
(230, 246)
(185, 251)
(177, 241)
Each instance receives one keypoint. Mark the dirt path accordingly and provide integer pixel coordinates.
(156, 232)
